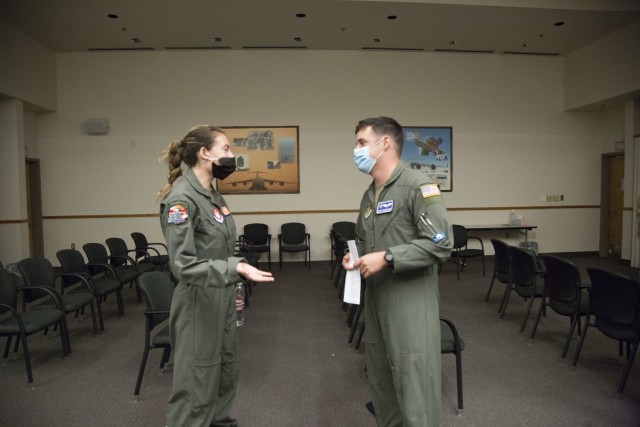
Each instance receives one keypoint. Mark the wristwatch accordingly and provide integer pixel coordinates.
(388, 257)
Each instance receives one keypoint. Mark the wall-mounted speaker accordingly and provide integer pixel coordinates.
(96, 126)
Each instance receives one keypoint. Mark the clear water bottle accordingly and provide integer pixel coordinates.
(240, 312)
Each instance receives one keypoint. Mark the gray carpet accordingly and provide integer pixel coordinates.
(296, 368)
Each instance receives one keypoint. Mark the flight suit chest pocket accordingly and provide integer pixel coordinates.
(390, 212)
(212, 223)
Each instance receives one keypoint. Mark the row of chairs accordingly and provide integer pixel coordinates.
(293, 237)
(450, 341)
(610, 303)
(82, 284)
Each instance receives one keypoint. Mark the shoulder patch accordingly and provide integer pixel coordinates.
(429, 190)
(177, 214)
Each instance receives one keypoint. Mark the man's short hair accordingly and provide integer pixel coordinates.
(384, 126)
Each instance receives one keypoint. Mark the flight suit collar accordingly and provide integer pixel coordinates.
(191, 177)
(392, 178)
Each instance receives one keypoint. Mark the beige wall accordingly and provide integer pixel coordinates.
(27, 69)
(512, 141)
(604, 71)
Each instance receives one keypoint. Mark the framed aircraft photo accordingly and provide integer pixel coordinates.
(429, 150)
(266, 158)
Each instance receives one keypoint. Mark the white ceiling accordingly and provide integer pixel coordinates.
(422, 25)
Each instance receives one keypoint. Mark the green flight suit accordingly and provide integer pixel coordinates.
(402, 337)
(200, 234)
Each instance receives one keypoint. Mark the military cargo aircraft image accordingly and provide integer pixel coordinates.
(258, 183)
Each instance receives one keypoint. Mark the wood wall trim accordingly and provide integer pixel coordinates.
(14, 221)
(312, 211)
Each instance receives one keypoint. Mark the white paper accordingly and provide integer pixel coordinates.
(352, 282)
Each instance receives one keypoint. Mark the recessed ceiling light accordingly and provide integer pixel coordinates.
(301, 15)
(559, 24)
(112, 16)
(392, 17)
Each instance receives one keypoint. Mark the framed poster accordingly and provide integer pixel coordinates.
(266, 158)
(429, 150)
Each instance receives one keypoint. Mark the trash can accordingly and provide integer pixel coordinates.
(530, 246)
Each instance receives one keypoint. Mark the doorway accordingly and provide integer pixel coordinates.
(611, 205)
(34, 208)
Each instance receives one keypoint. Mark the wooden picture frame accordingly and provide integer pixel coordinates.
(267, 158)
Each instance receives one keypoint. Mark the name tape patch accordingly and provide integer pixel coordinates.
(384, 207)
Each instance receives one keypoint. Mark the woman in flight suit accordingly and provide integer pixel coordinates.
(200, 234)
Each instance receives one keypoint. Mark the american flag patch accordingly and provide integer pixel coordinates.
(429, 190)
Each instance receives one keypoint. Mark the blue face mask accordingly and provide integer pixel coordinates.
(364, 162)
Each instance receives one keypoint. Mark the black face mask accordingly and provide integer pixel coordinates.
(227, 167)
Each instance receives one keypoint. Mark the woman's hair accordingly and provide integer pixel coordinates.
(186, 150)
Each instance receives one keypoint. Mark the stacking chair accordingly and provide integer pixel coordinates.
(121, 256)
(76, 271)
(258, 236)
(293, 237)
(22, 324)
(501, 265)
(101, 262)
(451, 343)
(148, 251)
(525, 279)
(614, 311)
(39, 272)
(461, 250)
(157, 290)
(564, 293)
(339, 234)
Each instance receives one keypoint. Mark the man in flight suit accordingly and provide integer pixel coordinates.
(403, 235)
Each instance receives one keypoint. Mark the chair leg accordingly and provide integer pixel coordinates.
(580, 343)
(357, 345)
(354, 325)
(565, 348)
(143, 364)
(458, 355)
(27, 357)
(486, 298)
(119, 301)
(165, 358)
(7, 346)
(526, 315)
(535, 325)
(93, 319)
(100, 317)
(505, 300)
(627, 368)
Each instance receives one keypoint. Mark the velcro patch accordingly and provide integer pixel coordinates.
(177, 214)
(438, 237)
(384, 207)
(429, 190)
